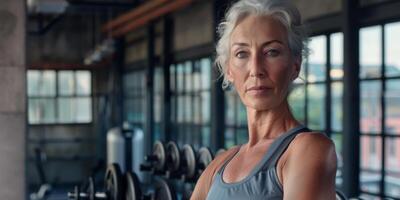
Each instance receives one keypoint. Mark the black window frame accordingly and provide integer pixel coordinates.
(57, 96)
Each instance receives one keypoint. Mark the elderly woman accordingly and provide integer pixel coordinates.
(260, 53)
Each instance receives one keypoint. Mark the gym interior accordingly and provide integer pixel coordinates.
(89, 83)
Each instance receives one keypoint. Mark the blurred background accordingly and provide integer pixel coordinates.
(71, 70)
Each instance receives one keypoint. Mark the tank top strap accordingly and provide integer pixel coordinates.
(279, 146)
(221, 169)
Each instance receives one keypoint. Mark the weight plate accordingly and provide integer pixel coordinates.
(133, 191)
(173, 156)
(163, 190)
(187, 191)
(91, 189)
(113, 182)
(159, 152)
(189, 158)
(77, 193)
(204, 158)
(186, 195)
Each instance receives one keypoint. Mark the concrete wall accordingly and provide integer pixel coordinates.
(12, 101)
(310, 9)
(69, 40)
(193, 26)
(74, 158)
(136, 44)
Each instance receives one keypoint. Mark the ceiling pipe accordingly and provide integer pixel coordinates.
(133, 14)
(173, 6)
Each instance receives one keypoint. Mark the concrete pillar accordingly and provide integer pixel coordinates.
(12, 99)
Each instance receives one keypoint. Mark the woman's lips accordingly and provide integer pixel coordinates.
(258, 90)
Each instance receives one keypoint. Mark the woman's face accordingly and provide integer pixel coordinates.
(260, 64)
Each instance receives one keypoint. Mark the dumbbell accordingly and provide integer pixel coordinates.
(169, 160)
(204, 158)
(127, 187)
(180, 164)
(186, 164)
(189, 163)
(183, 164)
(155, 162)
(173, 160)
(162, 189)
(113, 187)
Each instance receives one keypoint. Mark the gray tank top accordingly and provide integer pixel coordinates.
(262, 182)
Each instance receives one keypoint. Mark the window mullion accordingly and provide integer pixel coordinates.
(57, 117)
(382, 96)
(328, 100)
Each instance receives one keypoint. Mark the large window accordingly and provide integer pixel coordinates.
(59, 96)
(316, 96)
(235, 119)
(380, 110)
(158, 101)
(134, 97)
(191, 102)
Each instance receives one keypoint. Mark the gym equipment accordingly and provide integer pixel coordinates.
(119, 187)
(132, 190)
(113, 188)
(340, 195)
(204, 158)
(91, 190)
(116, 147)
(162, 190)
(173, 158)
(188, 163)
(45, 187)
(156, 160)
(125, 146)
(113, 182)
(172, 162)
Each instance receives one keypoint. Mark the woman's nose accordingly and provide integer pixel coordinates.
(256, 67)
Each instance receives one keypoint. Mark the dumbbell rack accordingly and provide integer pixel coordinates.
(166, 162)
(184, 166)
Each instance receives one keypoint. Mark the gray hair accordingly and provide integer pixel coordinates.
(281, 10)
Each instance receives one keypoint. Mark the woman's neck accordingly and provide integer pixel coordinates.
(267, 125)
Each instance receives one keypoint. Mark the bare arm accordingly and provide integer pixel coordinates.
(310, 169)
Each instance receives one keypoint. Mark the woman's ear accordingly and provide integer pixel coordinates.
(297, 67)
(229, 74)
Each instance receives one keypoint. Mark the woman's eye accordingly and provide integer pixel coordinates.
(272, 52)
(241, 54)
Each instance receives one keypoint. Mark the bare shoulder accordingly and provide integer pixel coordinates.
(313, 147)
(309, 172)
(315, 139)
